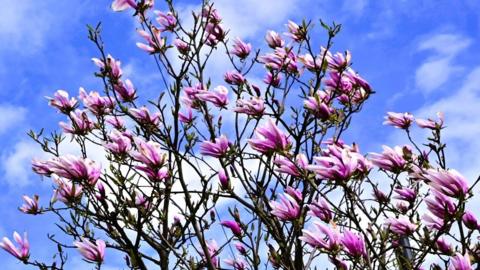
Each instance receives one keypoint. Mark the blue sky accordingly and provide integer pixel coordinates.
(419, 56)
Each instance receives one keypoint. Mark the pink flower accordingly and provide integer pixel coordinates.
(125, 90)
(320, 209)
(66, 191)
(319, 105)
(22, 252)
(295, 31)
(254, 106)
(401, 226)
(218, 97)
(181, 45)
(337, 61)
(120, 5)
(234, 226)
(443, 246)
(148, 153)
(470, 220)
(281, 59)
(429, 123)
(215, 149)
(110, 66)
(41, 167)
(31, 205)
(120, 144)
(269, 139)
(310, 63)
(353, 244)
(75, 168)
(95, 103)
(143, 116)
(285, 165)
(212, 248)
(116, 122)
(93, 252)
(240, 48)
(187, 117)
(399, 120)
(322, 237)
(154, 44)
(460, 262)
(448, 182)
(101, 194)
(237, 264)
(240, 248)
(223, 178)
(273, 80)
(274, 40)
(287, 209)
(215, 33)
(405, 194)
(391, 159)
(166, 20)
(233, 77)
(80, 124)
(440, 205)
(295, 193)
(62, 102)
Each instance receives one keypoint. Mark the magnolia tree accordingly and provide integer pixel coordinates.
(244, 174)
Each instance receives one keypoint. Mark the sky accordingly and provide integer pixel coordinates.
(419, 56)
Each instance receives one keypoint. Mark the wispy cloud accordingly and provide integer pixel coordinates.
(437, 69)
(11, 116)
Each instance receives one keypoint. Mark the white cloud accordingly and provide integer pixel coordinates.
(11, 116)
(437, 69)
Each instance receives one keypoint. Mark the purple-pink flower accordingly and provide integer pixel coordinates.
(291, 167)
(295, 31)
(80, 123)
(460, 262)
(93, 252)
(287, 209)
(269, 138)
(233, 226)
(391, 159)
(182, 46)
(218, 97)
(22, 252)
(217, 149)
(155, 42)
(120, 5)
(234, 77)
(120, 144)
(254, 106)
(97, 104)
(399, 120)
(320, 209)
(401, 225)
(237, 264)
(66, 191)
(166, 20)
(223, 178)
(448, 182)
(431, 124)
(337, 61)
(75, 168)
(144, 116)
(125, 90)
(319, 105)
(354, 244)
(470, 221)
(240, 48)
(274, 40)
(322, 237)
(31, 205)
(62, 102)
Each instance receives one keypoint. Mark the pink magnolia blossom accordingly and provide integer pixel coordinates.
(116, 122)
(241, 49)
(93, 252)
(215, 33)
(215, 149)
(31, 205)
(448, 182)
(401, 226)
(62, 102)
(168, 21)
(470, 221)
(319, 105)
(125, 90)
(254, 106)
(182, 46)
(405, 194)
(120, 144)
(273, 80)
(237, 264)
(443, 246)
(293, 168)
(310, 63)
(120, 5)
(41, 167)
(398, 120)
(354, 244)
(240, 248)
(212, 248)
(440, 205)
(431, 124)
(287, 209)
(155, 42)
(320, 209)
(391, 159)
(223, 178)
(233, 77)
(322, 237)
(80, 123)
(97, 104)
(75, 168)
(111, 66)
(337, 61)
(101, 194)
(460, 262)
(141, 201)
(232, 225)
(149, 153)
(66, 191)
(186, 117)
(281, 59)
(295, 31)
(269, 138)
(22, 252)
(218, 97)
(144, 116)
(274, 40)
